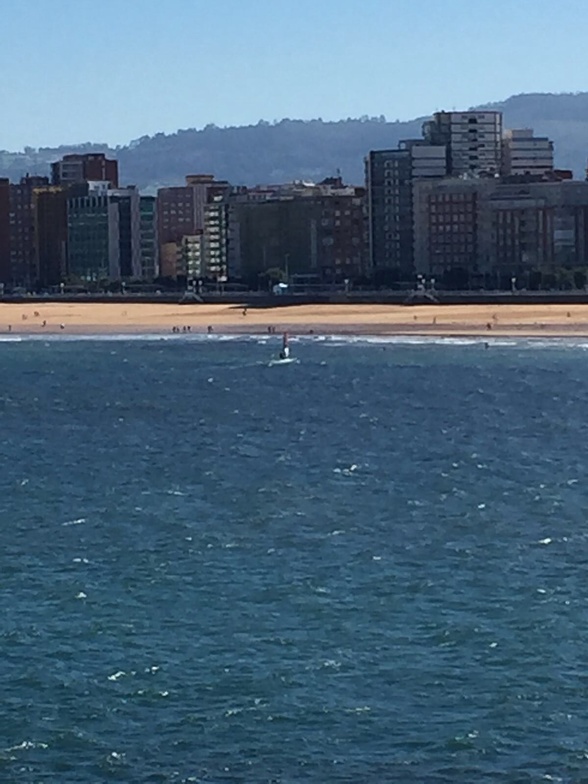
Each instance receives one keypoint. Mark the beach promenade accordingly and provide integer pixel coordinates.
(556, 320)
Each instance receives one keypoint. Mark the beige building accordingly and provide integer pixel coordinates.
(170, 256)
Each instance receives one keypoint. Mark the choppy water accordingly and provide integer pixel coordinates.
(368, 567)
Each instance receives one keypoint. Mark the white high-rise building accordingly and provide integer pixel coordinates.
(473, 141)
(524, 153)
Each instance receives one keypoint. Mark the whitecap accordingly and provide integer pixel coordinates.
(82, 595)
(78, 521)
(332, 664)
(27, 744)
(547, 540)
(116, 675)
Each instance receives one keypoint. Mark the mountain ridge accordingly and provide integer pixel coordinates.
(289, 149)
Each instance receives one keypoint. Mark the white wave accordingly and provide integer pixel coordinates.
(77, 521)
(332, 340)
(27, 744)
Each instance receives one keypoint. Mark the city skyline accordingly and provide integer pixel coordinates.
(469, 202)
(113, 76)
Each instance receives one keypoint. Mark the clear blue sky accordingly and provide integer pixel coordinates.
(114, 70)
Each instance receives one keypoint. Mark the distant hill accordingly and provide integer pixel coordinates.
(310, 150)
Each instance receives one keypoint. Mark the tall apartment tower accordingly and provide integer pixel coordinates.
(76, 168)
(390, 175)
(148, 238)
(127, 202)
(23, 251)
(473, 141)
(51, 234)
(526, 154)
(5, 271)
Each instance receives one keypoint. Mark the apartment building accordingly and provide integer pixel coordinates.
(524, 154)
(23, 252)
(473, 141)
(77, 168)
(390, 175)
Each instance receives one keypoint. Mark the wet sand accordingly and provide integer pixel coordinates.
(435, 320)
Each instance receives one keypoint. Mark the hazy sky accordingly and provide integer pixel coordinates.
(113, 70)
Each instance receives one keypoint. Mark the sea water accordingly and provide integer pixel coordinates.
(369, 566)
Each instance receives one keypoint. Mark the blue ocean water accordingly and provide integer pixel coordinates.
(367, 567)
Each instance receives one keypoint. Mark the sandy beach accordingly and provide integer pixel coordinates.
(133, 318)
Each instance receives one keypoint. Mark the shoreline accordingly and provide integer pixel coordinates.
(483, 322)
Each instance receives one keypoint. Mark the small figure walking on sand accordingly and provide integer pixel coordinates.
(209, 329)
(10, 327)
(245, 310)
